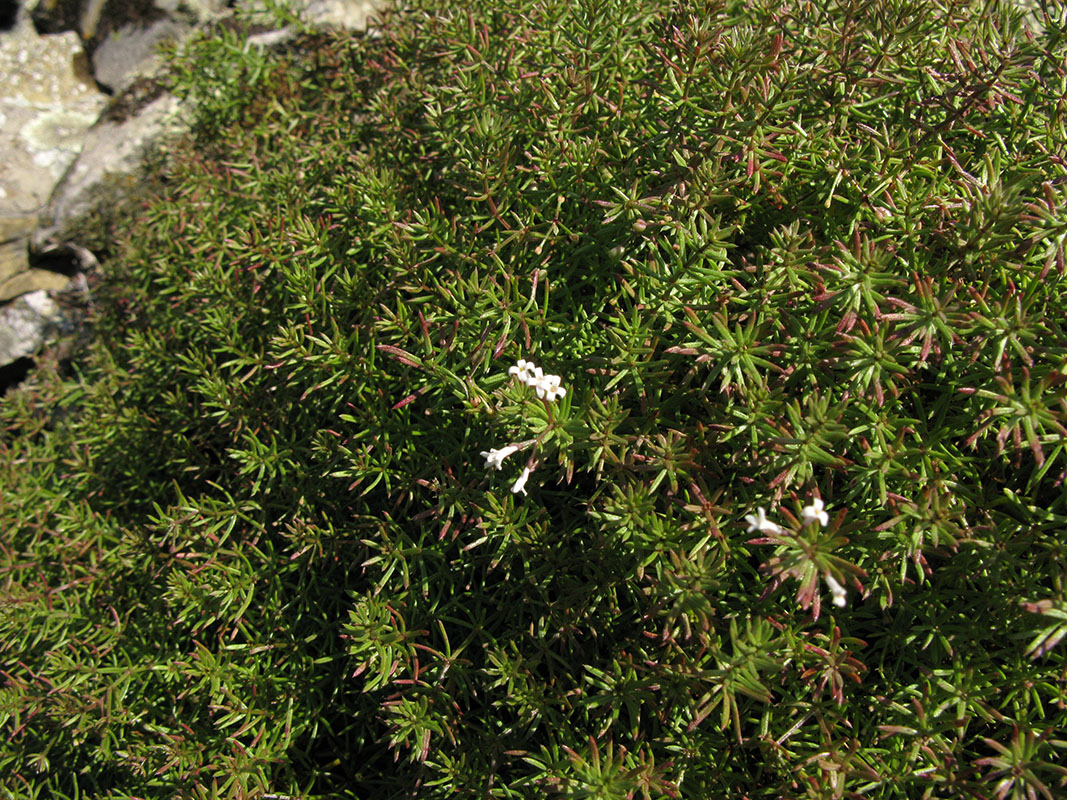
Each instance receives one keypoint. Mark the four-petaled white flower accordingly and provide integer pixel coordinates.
(759, 522)
(495, 458)
(523, 369)
(836, 589)
(520, 483)
(814, 512)
(547, 386)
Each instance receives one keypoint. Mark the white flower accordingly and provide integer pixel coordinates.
(495, 458)
(521, 369)
(814, 512)
(520, 483)
(759, 522)
(546, 386)
(836, 589)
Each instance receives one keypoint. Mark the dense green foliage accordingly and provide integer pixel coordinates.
(776, 251)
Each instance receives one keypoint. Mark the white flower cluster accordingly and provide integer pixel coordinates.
(814, 513)
(546, 386)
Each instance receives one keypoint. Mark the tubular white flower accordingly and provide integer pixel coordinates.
(520, 482)
(553, 392)
(836, 589)
(759, 522)
(814, 512)
(495, 458)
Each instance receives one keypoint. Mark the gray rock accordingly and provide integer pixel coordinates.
(129, 48)
(349, 14)
(111, 159)
(14, 260)
(64, 149)
(130, 52)
(29, 279)
(16, 275)
(355, 15)
(113, 149)
(17, 227)
(122, 36)
(29, 323)
(47, 103)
